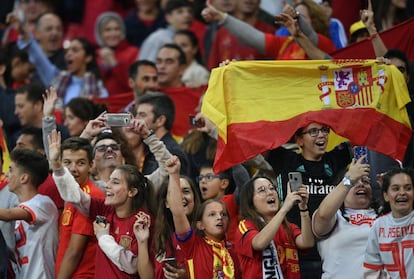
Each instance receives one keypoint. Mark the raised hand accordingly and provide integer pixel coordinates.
(367, 17)
(173, 165)
(358, 169)
(292, 198)
(304, 194)
(50, 99)
(142, 226)
(211, 14)
(289, 22)
(54, 140)
(95, 127)
(139, 127)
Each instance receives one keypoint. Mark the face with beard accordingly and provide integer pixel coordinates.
(107, 154)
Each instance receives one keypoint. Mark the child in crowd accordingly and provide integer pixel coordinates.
(390, 242)
(36, 217)
(164, 246)
(207, 248)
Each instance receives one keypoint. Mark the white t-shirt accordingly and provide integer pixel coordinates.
(342, 252)
(391, 246)
(36, 243)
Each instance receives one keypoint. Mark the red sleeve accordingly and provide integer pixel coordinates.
(82, 224)
(273, 45)
(295, 230)
(246, 233)
(325, 44)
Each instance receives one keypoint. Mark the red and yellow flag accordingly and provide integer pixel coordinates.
(258, 105)
(6, 155)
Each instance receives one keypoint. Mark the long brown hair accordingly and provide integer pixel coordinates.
(164, 226)
(320, 21)
(249, 212)
(145, 196)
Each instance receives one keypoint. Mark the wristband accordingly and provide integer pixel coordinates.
(303, 210)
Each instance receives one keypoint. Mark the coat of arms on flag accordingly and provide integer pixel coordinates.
(353, 87)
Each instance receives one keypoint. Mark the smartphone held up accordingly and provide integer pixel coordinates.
(360, 151)
(196, 123)
(295, 180)
(118, 119)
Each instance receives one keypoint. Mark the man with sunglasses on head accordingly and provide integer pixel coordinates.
(320, 171)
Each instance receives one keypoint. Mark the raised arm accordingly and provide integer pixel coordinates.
(69, 189)
(142, 234)
(324, 218)
(247, 33)
(367, 17)
(48, 120)
(45, 69)
(174, 197)
(263, 238)
(241, 30)
(157, 148)
(311, 49)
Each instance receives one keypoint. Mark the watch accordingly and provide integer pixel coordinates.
(347, 181)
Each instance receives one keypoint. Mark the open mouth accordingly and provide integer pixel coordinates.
(271, 201)
(320, 143)
(361, 193)
(401, 200)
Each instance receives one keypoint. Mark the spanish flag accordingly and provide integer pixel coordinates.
(259, 105)
(6, 155)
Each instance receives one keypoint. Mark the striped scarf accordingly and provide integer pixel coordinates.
(90, 86)
(223, 266)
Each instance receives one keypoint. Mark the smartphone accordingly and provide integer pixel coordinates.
(196, 123)
(170, 261)
(295, 180)
(118, 119)
(101, 219)
(360, 151)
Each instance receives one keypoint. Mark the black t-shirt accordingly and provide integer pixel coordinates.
(321, 177)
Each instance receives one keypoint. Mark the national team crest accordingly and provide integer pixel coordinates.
(353, 87)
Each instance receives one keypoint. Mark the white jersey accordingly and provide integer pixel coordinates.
(36, 242)
(391, 245)
(342, 252)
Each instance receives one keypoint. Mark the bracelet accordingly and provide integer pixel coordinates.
(303, 210)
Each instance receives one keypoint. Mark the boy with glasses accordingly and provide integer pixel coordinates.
(320, 173)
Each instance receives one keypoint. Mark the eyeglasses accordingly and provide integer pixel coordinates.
(262, 190)
(104, 147)
(209, 177)
(314, 132)
(402, 69)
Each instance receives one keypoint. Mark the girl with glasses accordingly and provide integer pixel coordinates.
(267, 242)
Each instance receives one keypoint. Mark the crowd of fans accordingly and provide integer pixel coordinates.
(139, 199)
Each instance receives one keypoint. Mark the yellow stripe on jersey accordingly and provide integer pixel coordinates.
(191, 268)
(242, 227)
